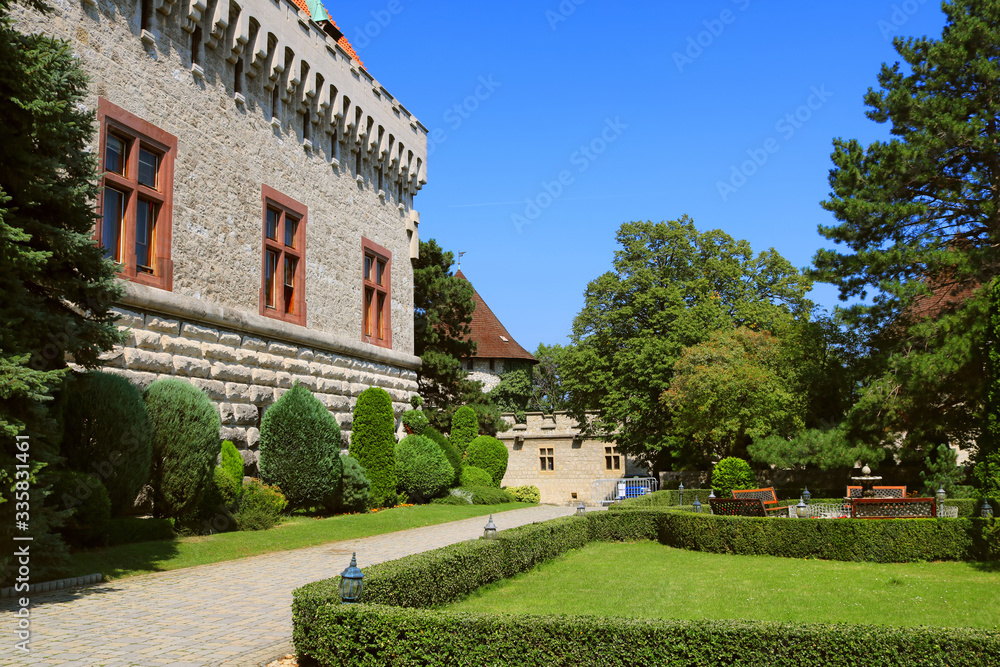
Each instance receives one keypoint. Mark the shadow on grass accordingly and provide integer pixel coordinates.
(123, 559)
(987, 566)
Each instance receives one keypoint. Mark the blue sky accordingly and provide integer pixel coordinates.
(554, 122)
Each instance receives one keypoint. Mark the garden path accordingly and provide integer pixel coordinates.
(236, 613)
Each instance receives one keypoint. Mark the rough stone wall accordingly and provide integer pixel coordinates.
(227, 149)
(244, 374)
(482, 372)
(578, 462)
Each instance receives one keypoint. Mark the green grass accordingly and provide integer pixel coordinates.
(647, 579)
(127, 560)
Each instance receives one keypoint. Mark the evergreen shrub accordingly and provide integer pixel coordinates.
(107, 431)
(300, 448)
(422, 470)
(415, 421)
(185, 446)
(490, 454)
(227, 489)
(487, 495)
(84, 494)
(232, 461)
(464, 428)
(260, 506)
(352, 494)
(450, 451)
(473, 476)
(732, 473)
(524, 494)
(373, 444)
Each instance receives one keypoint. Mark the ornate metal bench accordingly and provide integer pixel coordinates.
(737, 506)
(880, 491)
(893, 508)
(765, 495)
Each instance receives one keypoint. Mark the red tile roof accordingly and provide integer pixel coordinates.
(344, 44)
(493, 341)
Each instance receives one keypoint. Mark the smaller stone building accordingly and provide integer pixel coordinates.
(549, 452)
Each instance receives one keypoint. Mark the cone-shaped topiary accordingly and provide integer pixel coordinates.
(732, 473)
(232, 461)
(450, 451)
(464, 428)
(373, 441)
(107, 432)
(488, 453)
(185, 446)
(422, 468)
(300, 448)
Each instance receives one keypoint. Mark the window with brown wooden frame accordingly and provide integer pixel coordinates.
(283, 265)
(546, 459)
(376, 316)
(136, 195)
(612, 460)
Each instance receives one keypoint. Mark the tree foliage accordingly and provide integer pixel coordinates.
(919, 221)
(513, 393)
(826, 449)
(732, 388)
(670, 287)
(548, 390)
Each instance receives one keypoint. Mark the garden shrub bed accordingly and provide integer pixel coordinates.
(394, 627)
(378, 635)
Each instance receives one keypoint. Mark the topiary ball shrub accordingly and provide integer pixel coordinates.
(422, 469)
(185, 446)
(352, 494)
(732, 473)
(524, 494)
(300, 448)
(415, 422)
(464, 428)
(491, 455)
(373, 443)
(450, 451)
(260, 506)
(89, 523)
(473, 476)
(107, 431)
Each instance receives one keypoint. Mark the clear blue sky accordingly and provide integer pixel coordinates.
(680, 91)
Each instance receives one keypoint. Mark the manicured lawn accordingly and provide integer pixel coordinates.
(646, 579)
(130, 559)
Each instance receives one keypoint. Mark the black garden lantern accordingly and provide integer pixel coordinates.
(680, 492)
(986, 512)
(581, 510)
(801, 510)
(490, 531)
(806, 495)
(351, 582)
(697, 505)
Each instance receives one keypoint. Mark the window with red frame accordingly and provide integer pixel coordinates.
(136, 195)
(376, 324)
(282, 292)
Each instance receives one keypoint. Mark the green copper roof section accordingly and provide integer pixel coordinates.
(316, 10)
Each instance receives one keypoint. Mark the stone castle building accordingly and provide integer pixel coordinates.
(257, 190)
(496, 350)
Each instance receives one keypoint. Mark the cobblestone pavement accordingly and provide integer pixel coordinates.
(211, 614)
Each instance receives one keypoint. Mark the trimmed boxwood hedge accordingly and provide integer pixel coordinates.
(394, 627)
(389, 636)
(666, 498)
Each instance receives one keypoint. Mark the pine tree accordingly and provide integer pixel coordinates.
(919, 219)
(57, 287)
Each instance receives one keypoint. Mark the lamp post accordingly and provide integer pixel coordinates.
(351, 582)
(801, 509)
(697, 505)
(940, 500)
(580, 509)
(806, 495)
(490, 531)
(680, 491)
(986, 512)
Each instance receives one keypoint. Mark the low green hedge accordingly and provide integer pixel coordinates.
(666, 498)
(393, 626)
(389, 636)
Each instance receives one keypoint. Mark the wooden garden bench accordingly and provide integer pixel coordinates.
(893, 508)
(737, 506)
(766, 496)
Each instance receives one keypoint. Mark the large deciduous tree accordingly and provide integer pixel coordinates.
(731, 389)
(919, 221)
(671, 286)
